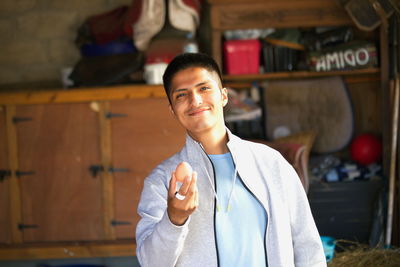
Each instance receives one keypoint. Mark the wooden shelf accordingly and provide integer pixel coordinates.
(350, 76)
(298, 74)
(81, 94)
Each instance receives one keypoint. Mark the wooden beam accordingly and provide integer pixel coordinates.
(107, 181)
(301, 74)
(14, 186)
(277, 14)
(81, 94)
(69, 250)
(386, 103)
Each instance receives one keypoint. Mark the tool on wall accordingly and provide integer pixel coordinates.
(392, 170)
(394, 75)
(368, 14)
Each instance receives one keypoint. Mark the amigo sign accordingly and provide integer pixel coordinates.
(348, 58)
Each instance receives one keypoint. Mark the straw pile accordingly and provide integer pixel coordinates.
(362, 256)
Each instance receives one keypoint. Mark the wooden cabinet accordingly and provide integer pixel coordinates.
(60, 200)
(80, 158)
(5, 236)
(144, 133)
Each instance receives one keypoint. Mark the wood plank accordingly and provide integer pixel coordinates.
(82, 94)
(5, 222)
(386, 98)
(14, 189)
(217, 47)
(300, 74)
(69, 251)
(350, 79)
(148, 135)
(278, 14)
(61, 197)
(107, 181)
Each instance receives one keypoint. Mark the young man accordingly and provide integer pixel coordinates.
(244, 204)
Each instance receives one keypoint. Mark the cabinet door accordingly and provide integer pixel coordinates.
(141, 140)
(4, 197)
(60, 199)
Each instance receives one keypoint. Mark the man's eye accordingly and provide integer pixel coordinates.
(180, 95)
(204, 88)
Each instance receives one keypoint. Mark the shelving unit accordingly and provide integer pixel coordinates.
(350, 76)
(368, 85)
(368, 88)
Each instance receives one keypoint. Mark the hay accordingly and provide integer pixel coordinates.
(359, 255)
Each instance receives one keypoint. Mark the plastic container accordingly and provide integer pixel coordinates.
(329, 247)
(153, 72)
(242, 56)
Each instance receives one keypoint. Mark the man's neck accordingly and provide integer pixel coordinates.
(214, 142)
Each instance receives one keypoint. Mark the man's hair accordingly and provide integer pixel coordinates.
(185, 61)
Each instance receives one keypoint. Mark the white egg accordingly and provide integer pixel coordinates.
(182, 171)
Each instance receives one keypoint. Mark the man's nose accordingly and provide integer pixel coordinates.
(195, 99)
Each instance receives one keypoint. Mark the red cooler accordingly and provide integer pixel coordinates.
(242, 56)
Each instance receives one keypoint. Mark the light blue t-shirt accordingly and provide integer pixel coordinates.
(240, 230)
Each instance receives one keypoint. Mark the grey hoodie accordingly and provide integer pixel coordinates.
(291, 237)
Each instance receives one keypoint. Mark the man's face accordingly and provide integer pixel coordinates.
(197, 100)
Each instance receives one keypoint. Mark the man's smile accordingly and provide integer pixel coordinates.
(197, 111)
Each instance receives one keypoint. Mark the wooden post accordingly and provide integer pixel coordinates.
(386, 118)
(392, 170)
(106, 177)
(14, 186)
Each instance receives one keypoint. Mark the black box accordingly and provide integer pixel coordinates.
(344, 210)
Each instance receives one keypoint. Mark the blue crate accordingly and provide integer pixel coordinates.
(329, 247)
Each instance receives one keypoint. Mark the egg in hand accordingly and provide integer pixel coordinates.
(182, 171)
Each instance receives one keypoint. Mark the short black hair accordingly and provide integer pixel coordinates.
(185, 61)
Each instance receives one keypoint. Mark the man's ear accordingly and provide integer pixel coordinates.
(224, 93)
(171, 109)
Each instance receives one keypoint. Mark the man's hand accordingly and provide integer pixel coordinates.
(179, 210)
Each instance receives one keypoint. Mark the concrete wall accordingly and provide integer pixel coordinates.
(37, 38)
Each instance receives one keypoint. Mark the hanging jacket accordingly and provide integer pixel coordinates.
(182, 14)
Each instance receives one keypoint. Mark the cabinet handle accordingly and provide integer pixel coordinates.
(21, 119)
(22, 226)
(3, 174)
(112, 169)
(110, 115)
(20, 173)
(95, 169)
(117, 223)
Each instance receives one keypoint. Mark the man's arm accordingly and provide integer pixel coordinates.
(307, 245)
(161, 232)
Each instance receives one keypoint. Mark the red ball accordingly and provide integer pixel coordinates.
(366, 149)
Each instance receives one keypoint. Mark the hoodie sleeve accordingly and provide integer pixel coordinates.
(307, 245)
(159, 242)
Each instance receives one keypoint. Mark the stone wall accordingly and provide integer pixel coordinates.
(37, 38)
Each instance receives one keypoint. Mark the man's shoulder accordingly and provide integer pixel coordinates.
(256, 146)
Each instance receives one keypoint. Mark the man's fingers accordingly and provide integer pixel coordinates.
(172, 185)
(185, 186)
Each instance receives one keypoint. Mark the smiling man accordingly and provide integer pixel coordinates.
(244, 204)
